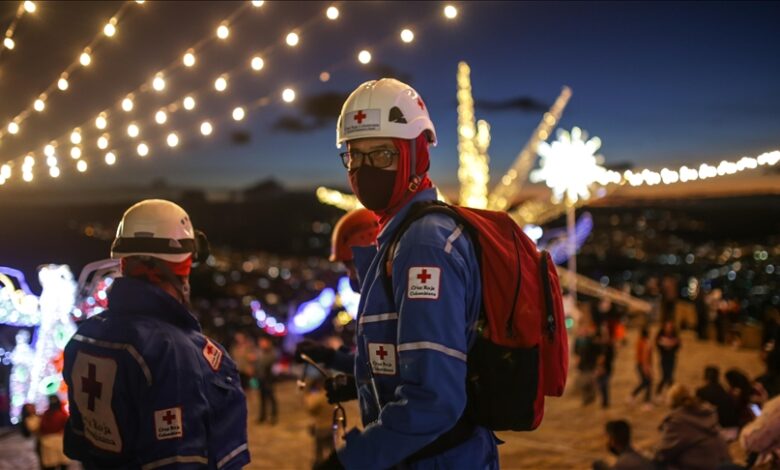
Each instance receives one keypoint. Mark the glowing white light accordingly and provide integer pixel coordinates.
(288, 95)
(29, 161)
(13, 127)
(223, 31)
(54, 172)
(257, 3)
(75, 136)
(5, 171)
(570, 165)
(127, 104)
(407, 35)
(52, 161)
(142, 149)
(110, 158)
(220, 84)
(30, 7)
(39, 105)
(9, 43)
(160, 117)
(133, 130)
(48, 150)
(188, 103)
(102, 142)
(257, 63)
(189, 58)
(62, 83)
(101, 122)
(81, 166)
(364, 57)
(332, 13)
(172, 139)
(27, 177)
(159, 82)
(110, 28)
(205, 128)
(450, 12)
(238, 113)
(293, 39)
(324, 77)
(75, 153)
(85, 59)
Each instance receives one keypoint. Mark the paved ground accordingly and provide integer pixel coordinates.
(570, 436)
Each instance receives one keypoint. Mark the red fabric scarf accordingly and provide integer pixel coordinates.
(401, 192)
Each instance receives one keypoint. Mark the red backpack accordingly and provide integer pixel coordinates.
(521, 352)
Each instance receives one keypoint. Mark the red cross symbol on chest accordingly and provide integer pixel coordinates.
(91, 386)
(424, 276)
(381, 353)
(169, 417)
(359, 117)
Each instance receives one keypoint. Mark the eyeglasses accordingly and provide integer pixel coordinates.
(381, 158)
(339, 423)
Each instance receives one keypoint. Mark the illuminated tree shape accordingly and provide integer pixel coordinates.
(569, 166)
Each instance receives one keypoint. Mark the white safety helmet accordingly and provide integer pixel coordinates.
(384, 108)
(159, 229)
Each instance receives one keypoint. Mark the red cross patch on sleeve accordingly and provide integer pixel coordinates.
(167, 424)
(213, 354)
(424, 283)
(382, 357)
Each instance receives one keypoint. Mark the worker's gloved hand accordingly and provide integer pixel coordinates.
(314, 350)
(341, 388)
(331, 463)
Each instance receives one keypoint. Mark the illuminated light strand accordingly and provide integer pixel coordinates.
(511, 183)
(8, 38)
(473, 165)
(62, 83)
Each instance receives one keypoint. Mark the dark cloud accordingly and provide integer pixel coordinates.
(240, 137)
(519, 103)
(295, 124)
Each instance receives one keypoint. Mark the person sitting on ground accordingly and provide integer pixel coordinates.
(619, 444)
(714, 394)
(743, 395)
(690, 435)
(761, 437)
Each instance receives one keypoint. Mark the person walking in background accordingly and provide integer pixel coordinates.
(29, 425)
(668, 343)
(690, 435)
(266, 357)
(243, 353)
(644, 365)
(714, 393)
(619, 444)
(587, 349)
(321, 412)
(51, 432)
(605, 362)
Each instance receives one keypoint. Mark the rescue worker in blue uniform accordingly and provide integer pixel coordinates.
(146, 388)
(413, 338)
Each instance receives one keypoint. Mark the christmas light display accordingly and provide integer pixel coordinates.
(18, 306)
(312, 314)
(348, 298)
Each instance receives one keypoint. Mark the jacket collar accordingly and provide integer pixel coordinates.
(129, 296)
(394, 223)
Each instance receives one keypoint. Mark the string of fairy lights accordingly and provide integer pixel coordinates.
(9, 43)
(187, 102)
(63, 81)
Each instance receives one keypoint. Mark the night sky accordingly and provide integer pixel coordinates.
(660, 83)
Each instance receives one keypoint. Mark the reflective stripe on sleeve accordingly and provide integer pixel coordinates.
(433, 346)
(451, 239)
(175, 459)
(232, 455)
(377, 318)
(121, 346)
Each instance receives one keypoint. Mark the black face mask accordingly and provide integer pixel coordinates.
(373, 186)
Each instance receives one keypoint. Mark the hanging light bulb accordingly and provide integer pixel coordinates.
(110, 158)
(9, 43)
(293, 39)
(54, 172)
(29, 162)
(30, 7)
(62, 83)
(238, 113)
(159, 82)
(205, 128)
(75, 136)
(110, 28)
(450, 12)
(101, 122)
(188, 103)
(133, 130)
(81, 166)
(27, 177)
(5, 171)
(288, 95)
(102, 142)
(127, 104)
(85, 58)
(75, 153)
(51, 160)
(172, 139)
(223, 31)
(13, 127)
(364, 57)
(189, 58)
(257, 63)
(257, 3)
(160, 117)
(332, 13)
(49, 150)
(220, 84)
(40, 103)
(142, 149)
(407, 36)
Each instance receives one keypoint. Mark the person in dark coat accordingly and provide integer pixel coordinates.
(668, 343)
(619, 443)
(714, 394)
(690, 435)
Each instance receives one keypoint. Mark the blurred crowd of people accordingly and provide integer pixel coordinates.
(47, 429)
